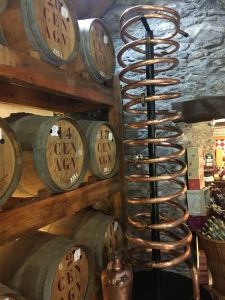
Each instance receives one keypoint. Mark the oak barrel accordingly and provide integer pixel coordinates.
(100, 233)
(54, 154)
(42, 266)
(3, 4)
(7, 294)
(97, 52)
(103, 147)
(48, 27)
(10, 161)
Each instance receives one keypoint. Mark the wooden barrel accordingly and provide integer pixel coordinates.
(41, 266)
(7, 294)
(10, 162)
(100, 233)
(48, 27)
(97, 54)
(54, 154)
(3, 4)
(103, 146)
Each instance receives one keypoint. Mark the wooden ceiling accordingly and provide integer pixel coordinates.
(91, 8)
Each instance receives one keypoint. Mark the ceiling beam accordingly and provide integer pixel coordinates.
(205, 108)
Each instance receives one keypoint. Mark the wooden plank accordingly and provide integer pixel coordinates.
(21, 69)
(202, 109)
(18, 221)
(115, 117)
(15, 94)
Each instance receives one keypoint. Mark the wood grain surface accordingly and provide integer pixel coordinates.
(18, 221)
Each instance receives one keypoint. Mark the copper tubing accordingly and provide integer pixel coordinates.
(175, 237)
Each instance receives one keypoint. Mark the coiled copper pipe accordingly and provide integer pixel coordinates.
(175, 237)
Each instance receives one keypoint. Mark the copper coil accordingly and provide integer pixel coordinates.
(149, 12)
(180, 192)
(175, 236)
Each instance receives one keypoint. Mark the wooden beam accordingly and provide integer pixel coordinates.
(15, 94)
(115, 117)
(201, 109)
(26, 71)
(18, 221)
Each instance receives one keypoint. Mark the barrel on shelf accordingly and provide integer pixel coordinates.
(42, 266)
(54, 154)
(97, 54)
(100, 233)
(7, 294)
(10, 161)
(103, 148)
(48, 27)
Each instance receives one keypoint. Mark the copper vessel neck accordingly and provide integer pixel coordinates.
(117, 264)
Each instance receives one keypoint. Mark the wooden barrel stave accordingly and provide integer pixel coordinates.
(44, 266)
(10, 162)
(103, 148)
(54, 152)
(7, 294)
(56, 42)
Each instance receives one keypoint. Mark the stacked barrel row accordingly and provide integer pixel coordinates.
(53, 154)
(61, 261)
(50, 30)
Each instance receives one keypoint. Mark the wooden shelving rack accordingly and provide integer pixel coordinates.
(29, 81)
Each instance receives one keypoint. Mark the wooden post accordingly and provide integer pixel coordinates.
(115, 117)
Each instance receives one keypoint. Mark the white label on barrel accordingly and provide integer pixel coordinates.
(110, 136)
(0, 133)
(55, 130)
(60, 266)
(102, 73)
(115, 227)
(74, 177)
(6, 298)
(105, 39)
(64, 12)
(77, 254)
(106, 170)
(57, 52)
(80, 152)
(106, 234)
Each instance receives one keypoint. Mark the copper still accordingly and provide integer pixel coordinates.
(154, 156)
(117, 280)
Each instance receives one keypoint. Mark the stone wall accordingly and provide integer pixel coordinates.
(200, 135)
(201, 55)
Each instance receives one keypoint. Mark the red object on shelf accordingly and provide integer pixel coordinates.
(196, 184)
(196, 222)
